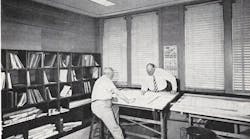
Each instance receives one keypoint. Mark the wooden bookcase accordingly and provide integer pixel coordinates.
(49, 71)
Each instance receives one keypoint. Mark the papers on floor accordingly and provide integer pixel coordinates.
(43, 132)
(78, 103)
(70, 125)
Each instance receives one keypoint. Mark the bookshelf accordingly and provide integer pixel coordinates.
(44, 90)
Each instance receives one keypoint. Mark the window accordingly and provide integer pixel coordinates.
(204, 47)
(144, 43)
(241, 45)
(115, 47)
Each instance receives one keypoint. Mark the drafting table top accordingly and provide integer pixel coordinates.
(214, 106)
(149, 101)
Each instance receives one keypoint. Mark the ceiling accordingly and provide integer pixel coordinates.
(90, 8)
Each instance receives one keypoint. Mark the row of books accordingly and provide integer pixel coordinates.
(34, 60)
(87, 60)
(15, 61)
(33, 96)
(43, 132)
(87, 87)
(70, 125)
(22, 116)
(64, 75)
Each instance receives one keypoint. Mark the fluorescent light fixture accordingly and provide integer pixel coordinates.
(103, 2)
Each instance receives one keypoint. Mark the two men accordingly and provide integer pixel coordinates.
(104, 89)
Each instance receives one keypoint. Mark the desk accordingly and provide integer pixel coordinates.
(216, 108)
(158, 102)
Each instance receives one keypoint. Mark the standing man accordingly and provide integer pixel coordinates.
(158, 80)
(101, 105)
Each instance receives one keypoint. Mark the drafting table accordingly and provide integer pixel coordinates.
(216, 108)
(151, 101)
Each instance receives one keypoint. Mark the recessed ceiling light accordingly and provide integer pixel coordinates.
(103, 2)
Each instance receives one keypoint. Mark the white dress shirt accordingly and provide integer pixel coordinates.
(102, 89)
(161, 78)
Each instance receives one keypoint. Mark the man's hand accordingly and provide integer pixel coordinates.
(173, 92)
(132, 100)
(143, 92)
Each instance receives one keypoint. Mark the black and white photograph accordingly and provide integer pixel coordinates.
(125, 69)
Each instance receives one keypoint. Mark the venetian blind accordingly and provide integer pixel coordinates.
(115, 47)
(144, 43)
(204, 49)
(241, 45)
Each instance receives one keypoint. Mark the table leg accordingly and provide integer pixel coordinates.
(190, 122)
(163, 133)
(236, 129)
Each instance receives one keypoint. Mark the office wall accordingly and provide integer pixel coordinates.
(32, 26)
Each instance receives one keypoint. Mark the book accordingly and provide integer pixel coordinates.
(35, 60)
(65, 59)
(95, 72)
(3, 79)
(66, 91)
(49, 61)
(48, 94)
(45, 79)
(73, 75)
(9, 82)
(23, 100)
(28, 78)
(38, 96)
(63, 75)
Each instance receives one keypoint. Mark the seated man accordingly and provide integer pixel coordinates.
(101, 106)
(158, 80)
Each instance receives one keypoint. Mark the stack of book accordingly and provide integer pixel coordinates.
(43, 132)
(78, 103)
(87, 60)
(34, 60)
(49, 61)
(66, 91)
(19, 136)
(70, 125)
(22, 116)
(87, 87)
(65, 59)
(15, 61)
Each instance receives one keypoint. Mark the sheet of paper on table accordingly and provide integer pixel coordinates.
(224, 107)
(150, 100)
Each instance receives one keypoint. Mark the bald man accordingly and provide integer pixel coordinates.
(101, 105)
(158, 80)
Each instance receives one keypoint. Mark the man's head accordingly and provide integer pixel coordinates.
(150, 69)
(109, 72)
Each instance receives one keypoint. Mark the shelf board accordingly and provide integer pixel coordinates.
(22, 69)
(22, 107)
(65, 133)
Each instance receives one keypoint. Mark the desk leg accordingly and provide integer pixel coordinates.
(163, 133)
(190, 122)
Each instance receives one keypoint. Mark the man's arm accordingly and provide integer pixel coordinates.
(171, 78)
(144, 87)
(121, 96)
